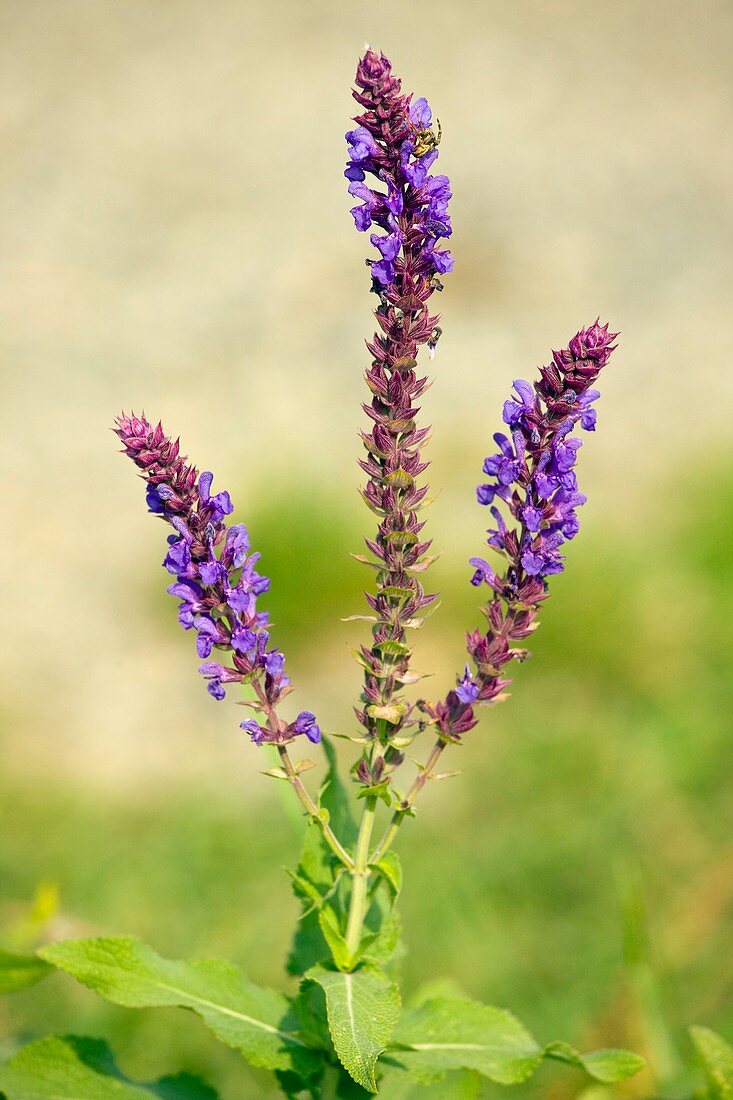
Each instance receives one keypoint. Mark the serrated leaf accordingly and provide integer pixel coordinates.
(607, 1066)
(449, 1034)
(257, 1022)
(20, 971)
(73, 1068)
(716, 1056)
(362, 1010)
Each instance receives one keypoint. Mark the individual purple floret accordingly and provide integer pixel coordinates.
(216, 579)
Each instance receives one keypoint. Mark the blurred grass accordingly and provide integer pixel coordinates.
(600, 791)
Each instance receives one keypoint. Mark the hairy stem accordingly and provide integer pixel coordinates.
(360, 877)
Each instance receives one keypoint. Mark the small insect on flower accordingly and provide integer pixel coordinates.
(427, 139)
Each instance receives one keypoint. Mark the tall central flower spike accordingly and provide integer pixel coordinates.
(216, 581)
(391, 153)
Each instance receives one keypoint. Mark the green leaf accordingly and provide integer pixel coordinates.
(607, 1066)
(329, 925)
(446, 1034)
(397, 1085)
(20, 971)
(391, 869)
(318, 869)
(717, 1059)
(335, 798)
(258, 1022)
(72, 1068)
(362, 1009)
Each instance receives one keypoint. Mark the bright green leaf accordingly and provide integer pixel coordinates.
(72, 1068)
(717, 1059)
(607, 1066)
(362, 1009)
(258, 1022)
(397, 1085)
(20, 971)
(335, 798)
(391, 870)
(329, 925)
(446, 1034)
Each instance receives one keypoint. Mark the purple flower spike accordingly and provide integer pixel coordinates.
(534, 477)
(394, 144)
(216, 581)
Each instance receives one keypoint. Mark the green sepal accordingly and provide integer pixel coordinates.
(400, 425)
(402, 538)
(399, 479)
(391, 648)
(20, 971)
(394, 593)
(393, 713)
(74, 1068)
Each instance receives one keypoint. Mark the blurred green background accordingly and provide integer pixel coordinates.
(176, 238)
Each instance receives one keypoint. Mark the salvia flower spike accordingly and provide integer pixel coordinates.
(215, 580)
(532, 475)
(391, 153)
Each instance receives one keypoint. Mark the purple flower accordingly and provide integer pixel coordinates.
(421, 114)
(178, 558)
(306, 723)
(221, 504)
(535, 473)
(257, 732)
(216, 580)
(393, 142)
(467, 690)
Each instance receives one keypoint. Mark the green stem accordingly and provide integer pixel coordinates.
(311, 808)
(360, 878)
(425, 773)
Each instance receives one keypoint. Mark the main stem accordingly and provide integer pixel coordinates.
(360, 878)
